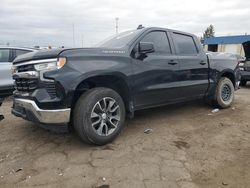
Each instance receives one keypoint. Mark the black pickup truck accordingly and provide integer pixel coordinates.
(93, 89)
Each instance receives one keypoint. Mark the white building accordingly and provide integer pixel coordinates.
(232, 44)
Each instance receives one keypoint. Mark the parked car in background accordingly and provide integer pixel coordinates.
(7, 55)
(95, 88)
(240, 58)
(245, 71)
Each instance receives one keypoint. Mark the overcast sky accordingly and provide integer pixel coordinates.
(50, 22)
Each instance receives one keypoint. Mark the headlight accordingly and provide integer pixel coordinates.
(241, 64)
(51, 65)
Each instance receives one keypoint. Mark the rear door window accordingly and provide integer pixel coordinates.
(4, 55)
(184, 44)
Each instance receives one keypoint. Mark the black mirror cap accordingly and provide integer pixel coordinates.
(146, 47)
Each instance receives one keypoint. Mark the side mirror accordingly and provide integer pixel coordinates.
(146, 47)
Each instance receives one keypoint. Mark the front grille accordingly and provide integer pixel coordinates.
(25, 85)
(30, 84)
(24, 68)
(247, 68)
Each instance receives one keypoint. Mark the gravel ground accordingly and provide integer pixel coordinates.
(189, 147)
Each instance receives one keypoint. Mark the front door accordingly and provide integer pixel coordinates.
(155, 74)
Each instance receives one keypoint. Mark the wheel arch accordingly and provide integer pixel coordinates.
(116, 82)
(230, 75)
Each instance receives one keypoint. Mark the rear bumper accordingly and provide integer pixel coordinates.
(28, 110)
(245, 75)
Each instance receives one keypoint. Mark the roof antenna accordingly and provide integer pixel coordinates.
(140, 26)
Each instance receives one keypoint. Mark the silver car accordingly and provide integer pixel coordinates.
(7, 55)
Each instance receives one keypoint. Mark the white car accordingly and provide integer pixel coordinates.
(7, 55)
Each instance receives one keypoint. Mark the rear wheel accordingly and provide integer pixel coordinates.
(99, 116)
(224, 93)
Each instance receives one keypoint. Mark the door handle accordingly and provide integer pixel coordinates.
(172, 62)
(203, 63)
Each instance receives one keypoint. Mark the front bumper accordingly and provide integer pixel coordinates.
(28, 109)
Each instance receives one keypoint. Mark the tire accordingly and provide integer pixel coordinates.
(94, 123)
(243, 83)
(224, 93)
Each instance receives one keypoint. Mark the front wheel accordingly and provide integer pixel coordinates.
(99, 116)
(224, 93)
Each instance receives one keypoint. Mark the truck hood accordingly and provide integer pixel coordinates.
(40, 54)
(54, 53)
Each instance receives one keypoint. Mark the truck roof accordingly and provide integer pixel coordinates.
(167, 29)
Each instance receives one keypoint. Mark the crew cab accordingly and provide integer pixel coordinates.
(94, 89)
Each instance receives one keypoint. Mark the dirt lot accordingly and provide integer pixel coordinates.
(189, 147)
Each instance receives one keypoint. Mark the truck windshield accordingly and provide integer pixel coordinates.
(119, 40)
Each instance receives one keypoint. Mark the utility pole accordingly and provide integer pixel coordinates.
(73, 34)
(116, 24)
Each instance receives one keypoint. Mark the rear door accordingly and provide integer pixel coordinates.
(193, 72)
(5, 68)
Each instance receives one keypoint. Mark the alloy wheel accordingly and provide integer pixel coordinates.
(105, 116)
(226, 92)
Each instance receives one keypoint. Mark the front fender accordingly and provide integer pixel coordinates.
(74, 73)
